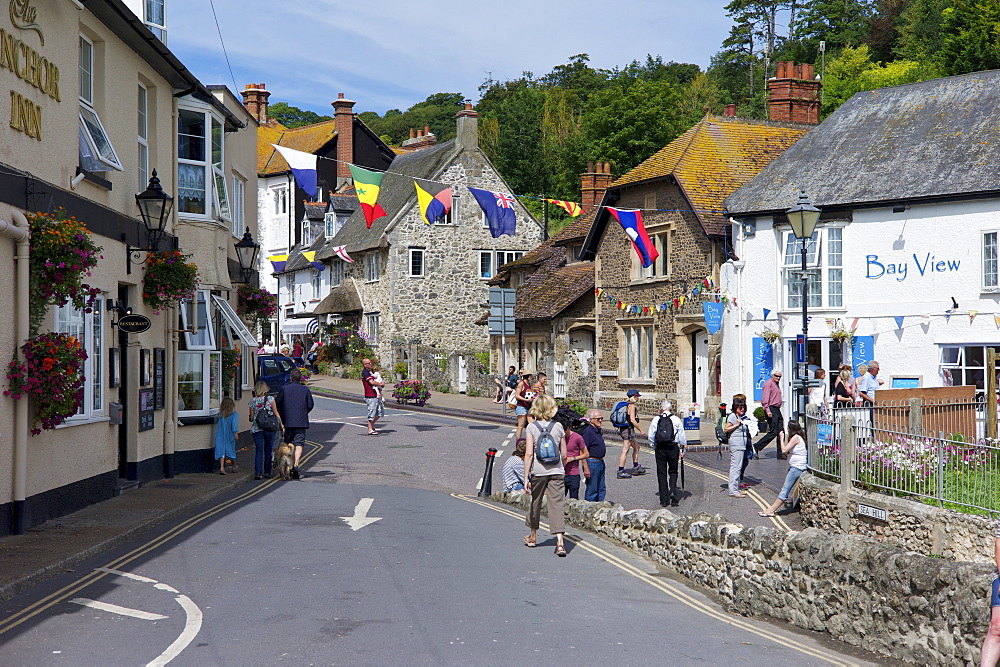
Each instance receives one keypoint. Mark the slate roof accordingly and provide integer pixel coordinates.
(342, 299)
(296, 261)
(396, 193)
(309, 139)
(930, 139)
(714, 158)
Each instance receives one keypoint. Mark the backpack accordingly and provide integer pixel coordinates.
(666, 435)
(720, 431)
(619, 416)
(546, 447)
(266, 420)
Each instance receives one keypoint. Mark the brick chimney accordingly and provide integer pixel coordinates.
(793, 94)
(594, 182)
(343, 117)
(731, 111)
(419, 139)
(467, 121)
(255, 101)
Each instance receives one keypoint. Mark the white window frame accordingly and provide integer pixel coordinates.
(371, 328)
(197, 315)
(960, 362)
(223, 206)
(94, 134)
(74, 321)
(452, 217)
(85, 53)
(142, 132)
(316, 281)
(638, 351)
(373, 267)
(233, 321)
(336, 272)
(158, 29)
(238, 206)
(987, 284)
(213, 177)
(279, 195)
(211, 381)
(828, 266)
(507, 256)
(411, 254)
(488, 256)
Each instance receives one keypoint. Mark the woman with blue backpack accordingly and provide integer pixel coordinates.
(544, 458)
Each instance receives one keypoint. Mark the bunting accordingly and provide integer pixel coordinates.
(278, 262)
(367, 185)
(303, 166)
(433, 207)
(341, 252)
(570, 207)
(766, 313)
(996, 318)
(899, 321)
(310, 256)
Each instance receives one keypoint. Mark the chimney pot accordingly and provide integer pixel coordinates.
(340, 96)
(731, 110)
(793, 95)
(255, 101)
(413, 133)
(343, 118)
(594, 182)
(590, 167)
(427, 129)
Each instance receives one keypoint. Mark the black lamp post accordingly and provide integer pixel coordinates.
(246, 253)
(154, 207)
(803, 218)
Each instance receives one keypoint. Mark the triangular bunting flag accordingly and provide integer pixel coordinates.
(499, 210)
(278, 262)
(433, 207)
(367, 185)
(570, 207)
(972, 315)
(767, 312)
(947, 315)
(303, 167)
(899, 321)
(996, 318)
(631, 222)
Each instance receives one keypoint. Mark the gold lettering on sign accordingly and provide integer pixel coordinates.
(29, 65)
(23, 15)
(25, 116)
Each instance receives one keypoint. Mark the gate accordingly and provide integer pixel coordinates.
(463, 374)
(559, 381)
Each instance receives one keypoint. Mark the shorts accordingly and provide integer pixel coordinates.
(295, 436)
(995, 594)
(520, 410)
(627, 432)
(375, 409)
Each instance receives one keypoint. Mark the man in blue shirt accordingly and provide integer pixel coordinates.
(869, 384)
(597, 449)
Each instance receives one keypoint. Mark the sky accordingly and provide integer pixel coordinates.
(394, 53)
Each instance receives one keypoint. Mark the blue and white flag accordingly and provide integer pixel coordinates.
(303, 168)
(499, 210)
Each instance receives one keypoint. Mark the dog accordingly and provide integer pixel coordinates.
(283, 460)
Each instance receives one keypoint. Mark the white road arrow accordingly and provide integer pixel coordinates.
(361, 518)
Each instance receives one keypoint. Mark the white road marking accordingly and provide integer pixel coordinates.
(115, 609)
(192, 626)
(127, 575)
(361, 518)
(164, 587)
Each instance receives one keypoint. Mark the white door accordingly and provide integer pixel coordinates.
(559, 382)
(463, 375)
(701, 368)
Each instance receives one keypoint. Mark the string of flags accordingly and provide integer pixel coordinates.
(278, 262)
(899, 320)
(706, 289)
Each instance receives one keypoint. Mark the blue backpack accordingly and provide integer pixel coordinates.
(619, 416)
(546, 447)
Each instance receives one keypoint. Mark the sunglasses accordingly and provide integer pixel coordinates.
(597, 419)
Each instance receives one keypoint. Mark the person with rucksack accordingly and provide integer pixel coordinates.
(265, 427)
(668, 440)
(544, 458)
(625, 417)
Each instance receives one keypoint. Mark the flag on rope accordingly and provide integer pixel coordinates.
(570, 207)
(996, 318)
(341, 252)
(972, 315)
(278, 262)
(433, 207)
(303, 167)
(310, 257)
(766, 313)
(854, 324)
(499, 210)
(367, 185)
(631, 222)
(899, 321)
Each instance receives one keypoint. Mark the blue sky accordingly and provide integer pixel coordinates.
(393, 53)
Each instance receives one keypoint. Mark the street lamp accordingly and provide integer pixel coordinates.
(246, 252)
(803, 218)
(154, 208)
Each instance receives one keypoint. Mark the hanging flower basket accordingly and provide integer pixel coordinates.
(770, 336)
(256, 304)
(411, 390)
(52, 375)
(842, 335)
(62, 255)
(169, 279)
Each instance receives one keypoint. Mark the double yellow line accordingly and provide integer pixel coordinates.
(72, 589)
(672, 591)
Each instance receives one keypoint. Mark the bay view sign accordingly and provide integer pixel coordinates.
(926, 265)
(28, 65)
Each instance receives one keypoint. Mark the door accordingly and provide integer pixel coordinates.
(463, 374)
(700, 368)
(559, 381)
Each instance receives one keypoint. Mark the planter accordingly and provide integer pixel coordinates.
(763, 426)
(419, 402)
(411, 390)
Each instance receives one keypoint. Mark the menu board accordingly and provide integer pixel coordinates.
(159, 377)
(145, 409)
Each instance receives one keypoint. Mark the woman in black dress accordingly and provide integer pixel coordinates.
(843, 395)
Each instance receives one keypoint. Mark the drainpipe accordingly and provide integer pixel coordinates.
(18, 230)
(170, 402)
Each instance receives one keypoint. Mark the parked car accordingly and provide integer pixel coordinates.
(275, 370)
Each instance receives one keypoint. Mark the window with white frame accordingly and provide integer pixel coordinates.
(660, 268)
(963, 365)
(86, 328)
(825, 259)
(991, 280)
(201, 184)
(290, 288)
(199, 382)
(237, 211)
(333, 221)
(218, 171)
(315, 284)
(505, 256)
(279, 197)
(142, 130)
(373, 266)
(452, 216)
(637, 346)
(416, 262)
(371, 328)
(196, 321)
(485, 264)
(155, 18)
(96, 150)
(336, 272)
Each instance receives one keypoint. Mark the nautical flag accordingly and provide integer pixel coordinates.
(303, 168)
(278, 262)
(570, 207)
(310, 257)
(499, 210)
(631, 222)
(341, 252)
(433, 207)
(366, 186)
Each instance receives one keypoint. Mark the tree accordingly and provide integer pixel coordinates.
(971, 36)
(839, 23)
(920, 30)
(292, 117)
(436, 112)
(853, 71)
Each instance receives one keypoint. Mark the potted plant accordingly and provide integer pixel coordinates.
(770, 336)
(761, 418)
(169, 279)
(256, 304)
(411, 390)
(841, 335)
(52, 374)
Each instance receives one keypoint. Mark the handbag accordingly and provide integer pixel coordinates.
(267, 420)
(512, 399)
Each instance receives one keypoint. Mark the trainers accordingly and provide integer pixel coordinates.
(624, 474)
(638, 470)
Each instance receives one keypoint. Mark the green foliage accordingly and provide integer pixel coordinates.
(920, 33)
(400, 370)
(292, 117)
(971, 32)
(759, 414)
(324, 367)
(576, 406)
(472, 391)
(230, 370)
(853, 72)
(437, 112)
(484, 360)
(442, 387)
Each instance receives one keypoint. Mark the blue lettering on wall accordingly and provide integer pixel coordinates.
(928, 264)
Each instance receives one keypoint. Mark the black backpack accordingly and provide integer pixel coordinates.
(720, 431)
(666, 435)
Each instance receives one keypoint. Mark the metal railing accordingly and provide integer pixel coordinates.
(823, 446)
(964, 417)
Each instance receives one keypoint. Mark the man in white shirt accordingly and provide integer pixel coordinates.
(869, 384)
(668, 452)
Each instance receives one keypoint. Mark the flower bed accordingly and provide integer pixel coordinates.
(411, 390)
(52, 374)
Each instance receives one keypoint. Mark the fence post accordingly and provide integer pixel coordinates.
(991, 392)
(916, 416)
(940, 469)
(848, 448)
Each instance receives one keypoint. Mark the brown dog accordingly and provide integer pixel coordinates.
(283, 460)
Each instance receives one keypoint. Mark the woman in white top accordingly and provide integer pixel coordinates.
(818, 395)
(795, 448)
(545, 478)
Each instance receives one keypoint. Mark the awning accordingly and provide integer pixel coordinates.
(234, 322)
(301, 327)
(341, 299)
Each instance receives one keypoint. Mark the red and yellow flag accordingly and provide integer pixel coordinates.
(366, 185)
(570, 207)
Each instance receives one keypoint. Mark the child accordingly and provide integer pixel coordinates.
(377, 376)
(226, 432)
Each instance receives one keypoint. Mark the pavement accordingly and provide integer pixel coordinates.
(59, 544)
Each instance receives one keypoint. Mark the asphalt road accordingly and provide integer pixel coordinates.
(382, 554)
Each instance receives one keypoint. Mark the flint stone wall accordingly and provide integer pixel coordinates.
(875, 596)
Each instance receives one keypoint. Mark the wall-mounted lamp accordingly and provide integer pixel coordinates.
(749, 226)
(898, 209)
(246, 253)
(75, 181)
(154, 208)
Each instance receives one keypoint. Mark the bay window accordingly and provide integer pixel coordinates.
(238, 212)
(88, 329)
(201, 182)
(825, 261)
(96, 151)
(199, 382)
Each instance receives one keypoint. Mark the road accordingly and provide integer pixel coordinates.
(382, 554)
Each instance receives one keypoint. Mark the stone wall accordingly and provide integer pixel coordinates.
(911, 525)
(899, 604)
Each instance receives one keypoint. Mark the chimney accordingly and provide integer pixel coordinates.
(413, 133)
(594, 182)
(468, 128)
(343, 117)
(793, 94)
(255, 101)
(419, 139)
(731, 110)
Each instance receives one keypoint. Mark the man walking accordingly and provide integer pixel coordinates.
(597, 449)
(668, 441)
(869, 385)
(295, 402)
(770, 400)
(372, 398)
(629, 441)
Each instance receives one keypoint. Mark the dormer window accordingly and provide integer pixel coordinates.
(155, 18)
